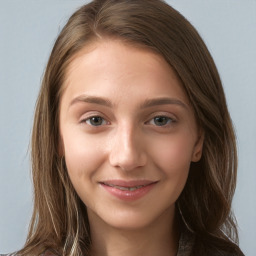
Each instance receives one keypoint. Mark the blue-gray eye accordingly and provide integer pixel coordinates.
(161, 120)
(95, 121)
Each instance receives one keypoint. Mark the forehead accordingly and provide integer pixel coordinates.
(112, 66)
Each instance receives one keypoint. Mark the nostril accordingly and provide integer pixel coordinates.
(128, 162)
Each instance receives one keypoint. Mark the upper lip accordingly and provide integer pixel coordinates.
(125, 183)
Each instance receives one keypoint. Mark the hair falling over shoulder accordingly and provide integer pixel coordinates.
(59, 222)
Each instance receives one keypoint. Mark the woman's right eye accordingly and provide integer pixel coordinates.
(95, 121)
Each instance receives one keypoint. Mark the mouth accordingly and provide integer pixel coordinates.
(123, 188)
(128, 190)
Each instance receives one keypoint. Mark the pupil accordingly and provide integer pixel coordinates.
(160, 120)
(96, 120)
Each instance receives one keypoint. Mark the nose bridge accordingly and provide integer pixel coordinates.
(127, 147)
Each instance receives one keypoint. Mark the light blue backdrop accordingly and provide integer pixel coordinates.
(28, 29)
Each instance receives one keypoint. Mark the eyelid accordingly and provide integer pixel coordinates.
(104, 122)
(163, 114)
(92, 114)
(172, 120)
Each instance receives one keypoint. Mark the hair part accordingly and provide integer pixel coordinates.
(59, 220)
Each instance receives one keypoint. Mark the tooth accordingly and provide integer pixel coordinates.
(121, 188)
(125, 188)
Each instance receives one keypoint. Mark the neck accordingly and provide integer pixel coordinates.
(159, 238)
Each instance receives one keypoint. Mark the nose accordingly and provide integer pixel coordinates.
(127, 150)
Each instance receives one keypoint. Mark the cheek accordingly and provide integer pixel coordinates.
(173, 157)
(83, 154)
(174, 151)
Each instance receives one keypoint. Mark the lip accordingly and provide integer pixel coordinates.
(128, 190)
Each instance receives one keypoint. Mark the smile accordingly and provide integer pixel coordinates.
(128, 190)
(124, 188)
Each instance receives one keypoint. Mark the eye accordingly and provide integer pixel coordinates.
(95, 121)
(161, 120)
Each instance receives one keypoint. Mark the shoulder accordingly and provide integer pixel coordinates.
(215, 247)
(186, 243)
(50, 252)
(9, 254)
(46, 253)
(191, 244)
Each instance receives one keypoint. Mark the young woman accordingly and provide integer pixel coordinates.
(133, 150)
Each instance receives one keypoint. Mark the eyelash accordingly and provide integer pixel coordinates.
(169, 121)
(89, 119)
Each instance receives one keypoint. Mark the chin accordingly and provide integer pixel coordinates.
(130, 222)
(132, 219)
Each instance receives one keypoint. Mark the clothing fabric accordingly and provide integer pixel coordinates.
(184, 249)
(186, 243)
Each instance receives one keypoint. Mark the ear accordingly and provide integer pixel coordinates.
(198, 148)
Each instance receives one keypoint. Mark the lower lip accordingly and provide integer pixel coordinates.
(128, 195)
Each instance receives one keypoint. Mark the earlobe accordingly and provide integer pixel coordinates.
(198, 149)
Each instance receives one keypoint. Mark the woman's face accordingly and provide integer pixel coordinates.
(128, 134)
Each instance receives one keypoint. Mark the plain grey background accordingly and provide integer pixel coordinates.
(28, 29)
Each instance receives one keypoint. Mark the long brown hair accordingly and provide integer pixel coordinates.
(59, 220)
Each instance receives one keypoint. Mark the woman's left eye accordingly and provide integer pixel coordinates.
(95, 121)
(161, 120)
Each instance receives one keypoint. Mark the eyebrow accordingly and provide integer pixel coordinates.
(146, 104)
(162, 101)
(92, 99)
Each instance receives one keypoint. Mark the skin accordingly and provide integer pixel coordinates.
(129, 143)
